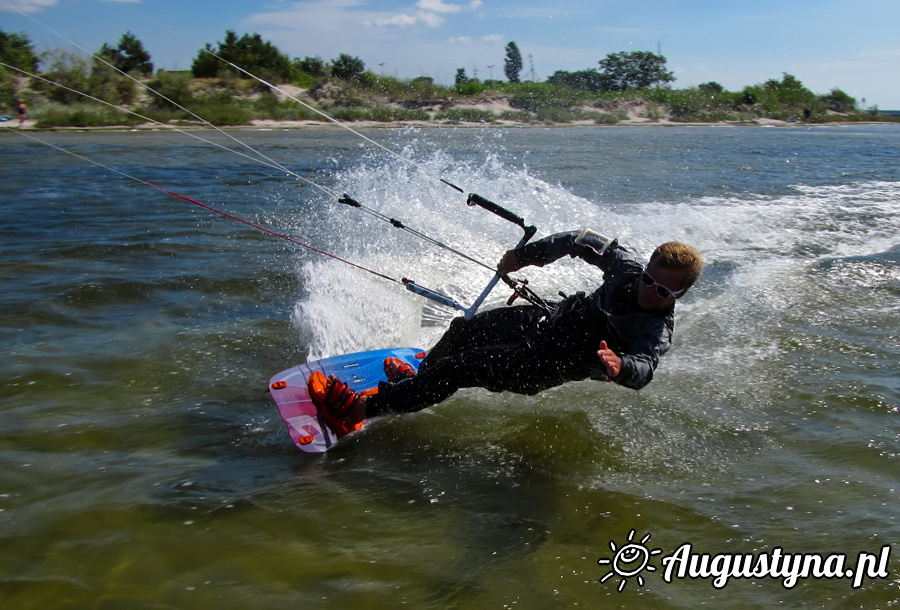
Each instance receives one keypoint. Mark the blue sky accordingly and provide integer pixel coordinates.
(825, 43)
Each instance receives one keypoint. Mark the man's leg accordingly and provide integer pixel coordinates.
(512, 367)
(496, 327)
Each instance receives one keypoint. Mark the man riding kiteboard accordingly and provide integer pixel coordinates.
(617, 333)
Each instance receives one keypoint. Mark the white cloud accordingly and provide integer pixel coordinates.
(438, 6)
(492, 38)
(460, 40)
(400, 20)
(404, 20)
(427, 12)
(887, 55)
(26, 6)
(430, 19)
(351, 14)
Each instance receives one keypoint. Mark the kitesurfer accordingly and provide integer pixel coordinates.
(616, 334)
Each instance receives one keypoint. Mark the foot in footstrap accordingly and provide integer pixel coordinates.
(397, 370)
(335, 401)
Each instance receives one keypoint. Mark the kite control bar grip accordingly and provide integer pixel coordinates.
(502, 212)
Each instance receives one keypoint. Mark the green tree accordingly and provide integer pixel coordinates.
(307, 71)
(711, 88)
(249, 52)
(838, 101)
(206, 65)
(635, 70)
(17, 50)
(513, 64)
(9, 91)
(347, 67)
(462, 78)
(782, 99)
(66, 69)
(314, 66)
(790, 90)
(129, 56)
(586, 80)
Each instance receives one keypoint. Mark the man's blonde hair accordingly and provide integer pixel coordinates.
(677, 256)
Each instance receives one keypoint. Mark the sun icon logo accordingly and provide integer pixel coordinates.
(630, 560)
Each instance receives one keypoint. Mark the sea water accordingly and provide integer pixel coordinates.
(143, 465)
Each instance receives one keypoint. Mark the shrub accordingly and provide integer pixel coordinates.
(347, 113)
(838, 101)
(466, 115)
(381, 113)
(270, 106)
(221, 112)
(700, 104)
(162, 115)
(110, 86)
(302, 79)
(83, 115)
(610, 118)
(9, 92)
(783, 100)
(385, 85)
(66, 69)
(472, 88)
(392, 113)
(520, 116)
(424, 88)
(343, 95)
(536, 96)
(414, 93)
(176, 86)
(557, 114)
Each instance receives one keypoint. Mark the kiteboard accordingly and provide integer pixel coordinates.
(361, 371)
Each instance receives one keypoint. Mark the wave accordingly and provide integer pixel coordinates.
(754, 244)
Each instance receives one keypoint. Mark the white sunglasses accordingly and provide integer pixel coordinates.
(662, 291)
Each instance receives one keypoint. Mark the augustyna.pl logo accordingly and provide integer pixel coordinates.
(632, 558)
(629, 560)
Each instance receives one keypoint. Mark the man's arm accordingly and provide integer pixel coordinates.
(587, 244)
(636, 365)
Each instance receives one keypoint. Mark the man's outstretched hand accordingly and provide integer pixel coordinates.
(611, 362)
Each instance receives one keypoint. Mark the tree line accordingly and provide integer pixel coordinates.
(618, 73)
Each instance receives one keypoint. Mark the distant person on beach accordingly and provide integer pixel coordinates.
(23, 113)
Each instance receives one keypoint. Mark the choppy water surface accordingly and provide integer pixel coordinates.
(142, 464)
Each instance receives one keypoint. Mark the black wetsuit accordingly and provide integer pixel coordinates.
(526, 350)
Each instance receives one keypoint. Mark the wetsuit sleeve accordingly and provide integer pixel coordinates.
(643, 357)
(649, 336)
(572, 243)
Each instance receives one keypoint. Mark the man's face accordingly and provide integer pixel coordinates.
(648, 297)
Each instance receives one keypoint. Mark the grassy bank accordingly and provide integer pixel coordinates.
(236, 102)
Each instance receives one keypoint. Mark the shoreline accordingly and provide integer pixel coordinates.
(273, 125)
